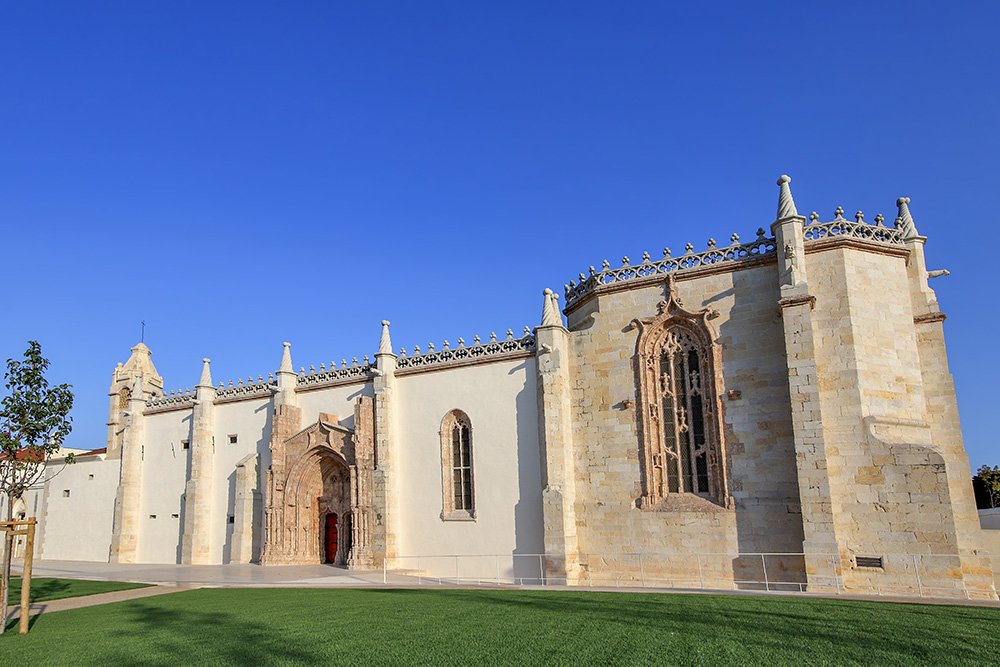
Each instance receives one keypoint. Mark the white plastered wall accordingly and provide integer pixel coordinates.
(250, 422)
(165, 465)
(78, 527)
(500, 400)
(337, 400)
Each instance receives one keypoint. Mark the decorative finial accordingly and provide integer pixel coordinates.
(860, 217)
(645, 256)
(510, 334)
(760, 232)
(666, 252)
(905, 221)
(605, 265)
(839, 213)
(879, 218)
(625, 260)
(711, 243)
(384, 342)
(550, 309)
(286, 359)
(688, 247)
(206, 373)
(813, 218)
(735, 238)
(786, 205)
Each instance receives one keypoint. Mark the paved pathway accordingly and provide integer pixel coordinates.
(36, 608)
(236, 575)
(173, 577)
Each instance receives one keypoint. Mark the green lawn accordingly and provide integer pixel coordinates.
(474, 627)
(43, 589)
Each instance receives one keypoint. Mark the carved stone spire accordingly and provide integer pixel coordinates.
(786, 205)
(385, 343)
(550, 309)
(904, 222)
(206, 373)
(286, 359)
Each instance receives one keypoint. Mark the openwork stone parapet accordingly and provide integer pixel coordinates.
(315, 379)
(858, 229)
(243, 391)
(736, 253)
(478, 352)
(180, 400)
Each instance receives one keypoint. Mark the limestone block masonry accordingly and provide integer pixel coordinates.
(741, 414)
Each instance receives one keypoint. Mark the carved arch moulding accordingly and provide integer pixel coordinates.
(324, 469)
(681, 435)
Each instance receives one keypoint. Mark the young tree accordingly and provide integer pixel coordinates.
(34, 421)
(989, 480)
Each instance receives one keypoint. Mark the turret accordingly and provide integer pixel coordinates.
(139, 364)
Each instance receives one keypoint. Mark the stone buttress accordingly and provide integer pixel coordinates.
(555, 426)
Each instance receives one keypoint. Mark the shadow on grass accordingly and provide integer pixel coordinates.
(157, 634)
(41, 589)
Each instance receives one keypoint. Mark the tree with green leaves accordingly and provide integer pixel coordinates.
(988, 479)
(34, 422)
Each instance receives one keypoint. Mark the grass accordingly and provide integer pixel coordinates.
(43, 589)
(483, 627)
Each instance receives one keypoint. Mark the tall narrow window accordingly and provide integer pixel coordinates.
(683, 415)
(679, 411)
(458, 495)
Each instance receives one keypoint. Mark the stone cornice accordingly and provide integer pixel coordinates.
(877, 247)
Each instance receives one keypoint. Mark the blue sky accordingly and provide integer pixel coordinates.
(246, 173)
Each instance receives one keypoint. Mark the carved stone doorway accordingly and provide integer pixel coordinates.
(321, 472)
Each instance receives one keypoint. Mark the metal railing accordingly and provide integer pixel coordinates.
(902, 575)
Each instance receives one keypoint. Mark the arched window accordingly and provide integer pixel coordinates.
(458, 493)
(679, 410)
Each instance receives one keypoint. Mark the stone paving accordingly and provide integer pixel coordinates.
(36, 608)
(233, 575)
(175, 578)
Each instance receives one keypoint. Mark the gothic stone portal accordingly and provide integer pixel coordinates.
(321, 483)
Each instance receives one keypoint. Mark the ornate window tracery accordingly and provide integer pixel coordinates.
(124, 396)
(680, 413)
(458, 493)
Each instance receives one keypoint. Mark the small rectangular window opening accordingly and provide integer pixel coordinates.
(175, 516)
(232, 438)
(232, 519)
(152, 516)
(869, 561)
(65, 493)
(185, 444)
(90, 476)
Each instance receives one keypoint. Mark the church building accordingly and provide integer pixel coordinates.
(774, 408)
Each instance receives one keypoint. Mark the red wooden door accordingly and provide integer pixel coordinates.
(331, 538)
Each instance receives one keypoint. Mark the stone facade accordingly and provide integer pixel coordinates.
(744, 414)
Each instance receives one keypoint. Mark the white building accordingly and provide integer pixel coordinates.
(751, 398)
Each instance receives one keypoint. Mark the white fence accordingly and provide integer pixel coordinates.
(917, 575)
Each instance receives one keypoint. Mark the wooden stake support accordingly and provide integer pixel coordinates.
(16, 528)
